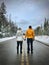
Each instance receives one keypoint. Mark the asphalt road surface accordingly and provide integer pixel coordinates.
(9, 56)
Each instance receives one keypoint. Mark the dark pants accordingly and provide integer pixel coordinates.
(29, 43)
(19, 43)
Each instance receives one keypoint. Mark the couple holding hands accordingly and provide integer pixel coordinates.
(29, 35)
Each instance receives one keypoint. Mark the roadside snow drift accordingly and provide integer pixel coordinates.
(7, 38)
(44, 39)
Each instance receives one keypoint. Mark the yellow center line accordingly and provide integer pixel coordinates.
(22, 58)
(27, 60)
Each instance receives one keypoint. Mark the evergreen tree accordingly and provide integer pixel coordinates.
(2, 15)
(7, 26)
(3, 8)
(45, 24)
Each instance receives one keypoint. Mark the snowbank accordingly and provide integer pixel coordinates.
(7, 38)
(43, 39)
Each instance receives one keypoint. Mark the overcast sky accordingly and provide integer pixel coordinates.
(27, 12)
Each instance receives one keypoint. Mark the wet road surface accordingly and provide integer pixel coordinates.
(9, 56)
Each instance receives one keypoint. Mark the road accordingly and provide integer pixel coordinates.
(9, 56)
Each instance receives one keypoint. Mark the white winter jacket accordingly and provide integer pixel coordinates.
(19, 35)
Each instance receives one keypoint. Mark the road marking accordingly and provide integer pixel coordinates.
(22, 58)
(27, 60)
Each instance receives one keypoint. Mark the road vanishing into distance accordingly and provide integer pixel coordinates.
(9, 56)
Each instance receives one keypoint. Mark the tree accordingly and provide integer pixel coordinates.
(3, 8)
(38, 30)
(46, 26)
(3, 19)
(6, 25)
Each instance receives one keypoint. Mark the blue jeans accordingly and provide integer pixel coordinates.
(19, 43)
(29, 43)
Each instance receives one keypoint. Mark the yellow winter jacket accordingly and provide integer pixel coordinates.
(30, 33)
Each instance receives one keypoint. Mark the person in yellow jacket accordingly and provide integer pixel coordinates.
(30, 35)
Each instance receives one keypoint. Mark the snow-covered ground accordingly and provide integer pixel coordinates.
(7, 38)
(44, 39)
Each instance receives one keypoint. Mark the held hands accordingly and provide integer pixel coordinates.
(24, 37)
(33, 39)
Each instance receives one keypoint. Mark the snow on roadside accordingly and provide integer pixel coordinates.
(44, 39)
(7, 38)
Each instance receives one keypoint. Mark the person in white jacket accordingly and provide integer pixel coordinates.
(19, 38)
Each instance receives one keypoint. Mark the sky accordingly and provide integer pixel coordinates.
(27, 12)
